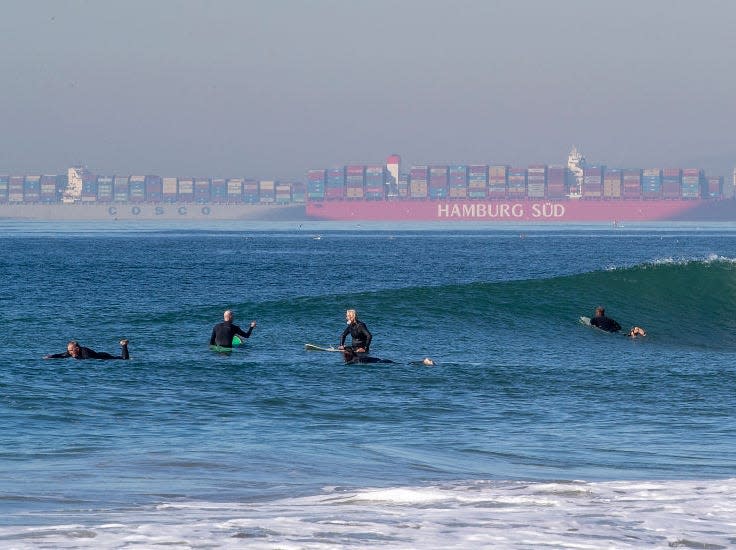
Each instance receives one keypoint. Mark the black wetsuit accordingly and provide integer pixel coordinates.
(360, 334)
(87, 353)
(222, 334)
(360, 358)
(605, 323)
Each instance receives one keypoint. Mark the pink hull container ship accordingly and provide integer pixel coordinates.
(569, 211)
(577, 192)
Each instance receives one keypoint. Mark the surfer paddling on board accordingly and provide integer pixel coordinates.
(609, 325)
(352, 358)
(358, 332)
(223, 333)
(75, 351)
(604, 323)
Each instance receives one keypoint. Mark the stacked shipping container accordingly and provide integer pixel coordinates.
(612, 179)
(631, 183)
(49, 189)
(671, 183)
(105, 189)
(170, 189)
(355, 181)
(457, 183)
(536, 179)
(497, 181)
(267, 191)
(651, 183)
(691, 178)
(478, 181)
(556, 182)
(15, 188)
(316, 184)
(335, 184)
(4, 181)
(419, 182)
(438, 182)
(219, 191)
(234, 190)
(375, 179)
(516, 183)
(32, 189)
(592, 182)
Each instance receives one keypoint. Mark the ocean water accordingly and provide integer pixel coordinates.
(532, 430)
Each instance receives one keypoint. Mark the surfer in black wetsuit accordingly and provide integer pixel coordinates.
(74, 350)
(222, 333)
(361, 336)
(352, 358)
(604, 323)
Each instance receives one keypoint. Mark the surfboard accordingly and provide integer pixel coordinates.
(236, 340)
(221, 349)
(315, 347)
(586, 321)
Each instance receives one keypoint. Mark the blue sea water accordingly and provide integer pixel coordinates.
(531, 430)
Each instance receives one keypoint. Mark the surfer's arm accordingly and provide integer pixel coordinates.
(344, 335)
(62, 355)
(244, 334)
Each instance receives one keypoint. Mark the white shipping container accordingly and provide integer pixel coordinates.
(170, 186)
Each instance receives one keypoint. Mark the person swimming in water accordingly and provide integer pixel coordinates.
(75, 351)
(635, 332)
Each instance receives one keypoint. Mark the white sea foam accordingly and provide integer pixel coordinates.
(481, 514)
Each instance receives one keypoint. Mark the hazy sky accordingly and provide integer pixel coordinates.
(272, 88)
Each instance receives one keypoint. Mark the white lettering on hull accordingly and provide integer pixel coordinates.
(142, 211)
(501, 210)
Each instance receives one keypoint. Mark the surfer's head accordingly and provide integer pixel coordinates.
(228, 315)
(351, 316)
(73, 348)
(600, 311)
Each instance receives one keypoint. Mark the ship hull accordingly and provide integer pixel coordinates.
(151, 211)
(527, 211)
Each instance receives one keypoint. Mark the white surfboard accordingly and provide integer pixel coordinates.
(586, 321)
(315, 347)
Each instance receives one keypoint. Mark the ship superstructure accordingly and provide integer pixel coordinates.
(75, 183)
(576, 168)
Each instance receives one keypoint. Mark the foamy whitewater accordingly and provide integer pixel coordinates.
(532, 430)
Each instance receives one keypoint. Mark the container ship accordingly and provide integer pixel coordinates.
(577, 191)
(574, 192)
(82, 195)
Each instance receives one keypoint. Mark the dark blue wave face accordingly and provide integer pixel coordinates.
(521, 389)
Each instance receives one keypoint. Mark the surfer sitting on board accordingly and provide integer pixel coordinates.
(604, 323)
(358, 332)
(74, 350)
(222, 333)
(351, 357)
